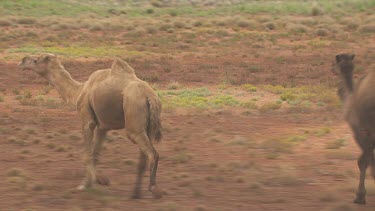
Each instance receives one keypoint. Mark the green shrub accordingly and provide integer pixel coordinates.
(249, 87)
(150, 11)
(270, 106)
(249, 104)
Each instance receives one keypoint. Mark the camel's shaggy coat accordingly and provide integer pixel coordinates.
(359, 111)
(110, 99)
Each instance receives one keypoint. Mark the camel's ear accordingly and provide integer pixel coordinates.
(352, 56)
(338, 57)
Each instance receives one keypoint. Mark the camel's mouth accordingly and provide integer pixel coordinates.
(24, 68)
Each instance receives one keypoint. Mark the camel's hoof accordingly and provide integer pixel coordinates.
(360, 201)
(102, 180)
(157, 193)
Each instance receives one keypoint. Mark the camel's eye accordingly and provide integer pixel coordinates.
(34, 60)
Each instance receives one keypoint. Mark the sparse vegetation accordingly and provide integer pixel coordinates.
(270, 106)
(249, 87)
(181, 157)
(336, 144)
(239, 80)
(323, 131)
(174, 85)
(15, 172)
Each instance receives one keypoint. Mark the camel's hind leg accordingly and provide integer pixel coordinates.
(152, 156)
(141, 171)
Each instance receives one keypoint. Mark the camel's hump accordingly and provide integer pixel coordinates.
(120, 65)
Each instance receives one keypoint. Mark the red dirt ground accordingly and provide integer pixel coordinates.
(211, 160)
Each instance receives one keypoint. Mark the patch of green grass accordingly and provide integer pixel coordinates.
(198, 98)
(295, 95)
(40, 8)
(223, 100)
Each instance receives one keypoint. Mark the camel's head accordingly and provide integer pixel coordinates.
(39, 64)
(343, 64)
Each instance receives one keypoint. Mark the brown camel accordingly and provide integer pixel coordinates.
(110, 99)
(359, 111)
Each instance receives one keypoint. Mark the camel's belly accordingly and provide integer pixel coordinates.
(108, 108)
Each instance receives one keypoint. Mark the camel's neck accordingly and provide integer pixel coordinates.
(345, 89)
(68, 88)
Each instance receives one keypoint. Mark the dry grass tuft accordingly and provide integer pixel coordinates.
(4, 22)
(297, 28)
(15, 172)
(322, 32)
(270, 106)
(336, 144)
(26, 21)
(368, 28)
(174, 85)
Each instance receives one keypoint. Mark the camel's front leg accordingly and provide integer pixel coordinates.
(93, 137)
(88, 128)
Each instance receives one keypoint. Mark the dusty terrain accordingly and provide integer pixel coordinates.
(214, 160)
(251, 119)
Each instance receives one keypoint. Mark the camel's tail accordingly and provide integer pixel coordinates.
(154, 124)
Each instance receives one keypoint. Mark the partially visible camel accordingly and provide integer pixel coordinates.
(359, 111)
(111, 99)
